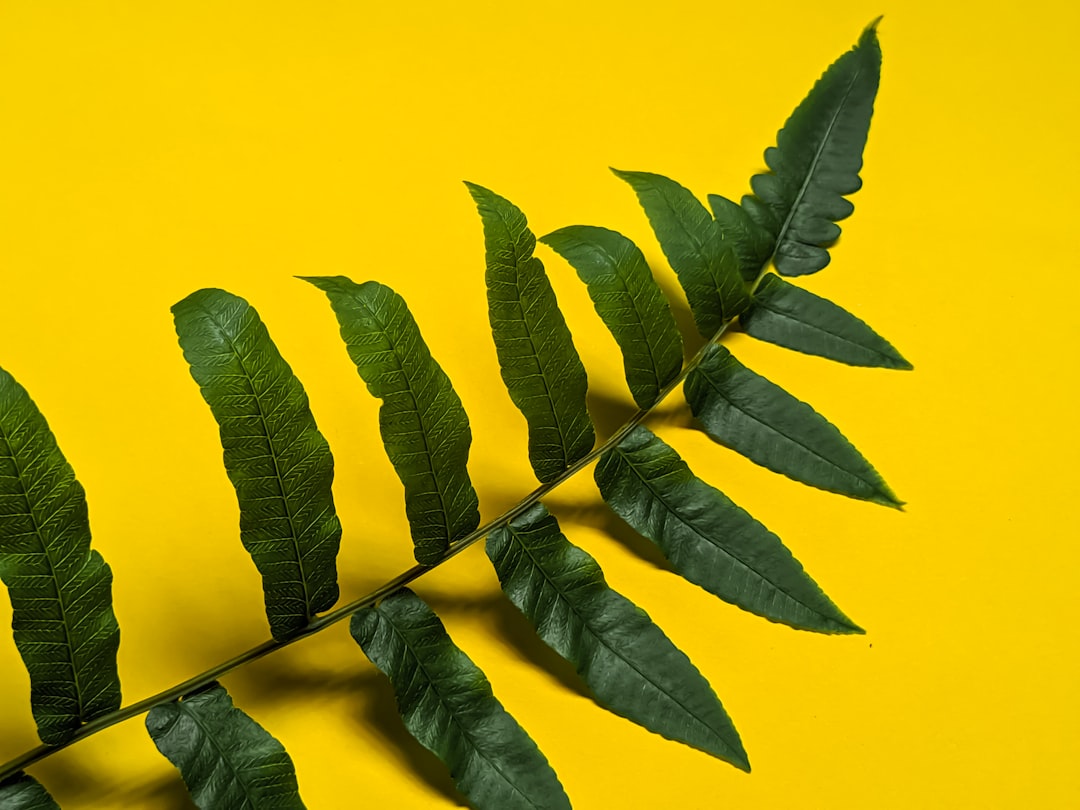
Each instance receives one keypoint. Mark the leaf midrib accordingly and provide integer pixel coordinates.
(771, 307)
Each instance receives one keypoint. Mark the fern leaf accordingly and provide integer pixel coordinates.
(627, 662)
(629, 301)
(539, 364)
(817, 159)
(227, 760)
(61, 590)
(752, 243)
(22, 792)
(424, 427)
(447, 705)
(757, 418)
(695, 247)
(708, 539)
(277, 460)
(792, 317)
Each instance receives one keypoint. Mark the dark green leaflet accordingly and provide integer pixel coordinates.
(710, 540)
(22, 792)
(817, 159)
(695, 247)
(423, 424)
(629, 301)
(61, 590)
(447, 705)
(537, 358)
(227, 760)
(753, 244)
(769, 426)
(278, 461)
(629, 664)
(790, 316)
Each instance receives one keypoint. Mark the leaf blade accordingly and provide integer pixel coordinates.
(629, 301)
(23, 792)
(703, 260)
(708, 539)
(795, 318)
(60, 589)
(537, 359)
(423, 424)
(279, 463)
(753, 244)
(493, 761)
(225, 758)
(617, 650)
(757, 418)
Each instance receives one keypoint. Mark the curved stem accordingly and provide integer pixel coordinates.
(320, 623)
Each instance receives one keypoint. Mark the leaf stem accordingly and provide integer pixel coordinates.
(204, 679)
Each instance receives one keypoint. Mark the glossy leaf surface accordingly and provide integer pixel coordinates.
(817, 159)
(792, 317)
(765, 423)
(447, 705)
(277, 460)
(706, 264)
(424, 427)
(627, 662)
(227, 760)
(630, 303)
(708, 539)
(60, 589)
(537, 358)
(23, 792)
(752, 243)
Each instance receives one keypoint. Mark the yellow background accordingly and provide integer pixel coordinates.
(149, 149)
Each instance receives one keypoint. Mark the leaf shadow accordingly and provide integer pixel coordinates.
(684, 318)
(165, 793)
(608, 411)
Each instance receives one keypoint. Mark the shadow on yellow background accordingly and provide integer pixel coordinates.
(149, 151)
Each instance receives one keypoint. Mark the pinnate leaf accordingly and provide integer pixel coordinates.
(792, 317)
(769, 426)
(277, 460)
(446, 703)
(708, 539)
(537, 359)
(61, 590)
(424, 427)
(227, 760)
(627, 662)
(23, 792)
(817, 159)
(630, 303)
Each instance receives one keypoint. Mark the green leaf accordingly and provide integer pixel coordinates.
(708, 539)
(227, 760)
(423, 424)
(537, 358)
(762, 216)
(757, 418)
(817, 159)
(277, 460)
(695, 247)
(627, 662)
(447, 705)
(22, 792)
(61, 590)
(790, 316)
(629, 301)
(753, 244)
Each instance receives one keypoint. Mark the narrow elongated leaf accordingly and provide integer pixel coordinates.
(423, 424)
(447, 705)
(706, 264)
(817, 159)
(61, 590)
(277, 460)
(629, 664)
(765, 423)
(792, 317)
(22, 792)
(629, 301)
(537, 358)
(753, 244)
(227, 760)
(710, 540)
